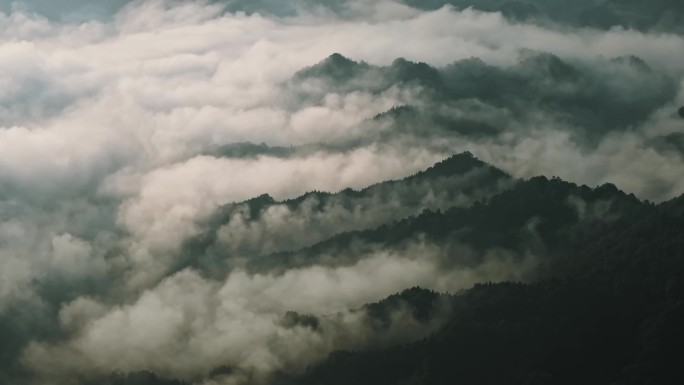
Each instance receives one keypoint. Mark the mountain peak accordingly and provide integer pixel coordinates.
(335, 66)
(338, 58)
(406, 71)
(459, 164)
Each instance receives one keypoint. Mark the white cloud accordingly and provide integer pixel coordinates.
(104, 126)
(187, 326)
(172, 199)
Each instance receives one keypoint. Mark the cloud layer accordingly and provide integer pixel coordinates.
(114, 120)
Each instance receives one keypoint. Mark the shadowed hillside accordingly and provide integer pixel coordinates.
(316, 216)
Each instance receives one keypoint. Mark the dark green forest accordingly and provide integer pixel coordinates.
(607, 309)
(605, 304)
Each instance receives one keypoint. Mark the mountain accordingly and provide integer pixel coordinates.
(654, 15)
(335, 68)
(604, 305)
(615, 317)
(542, 217)
(659, 15)
(473, 99)
(263, 226)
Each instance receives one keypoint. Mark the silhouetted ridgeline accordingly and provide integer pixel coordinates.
(474, 99)
(542, 217)
(604, 304)
(615, 317)
(262, 226)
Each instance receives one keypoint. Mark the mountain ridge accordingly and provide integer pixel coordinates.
(457, 180)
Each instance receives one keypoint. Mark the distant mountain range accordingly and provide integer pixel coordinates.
(599, 300)
(659, 15)
(589, 99)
